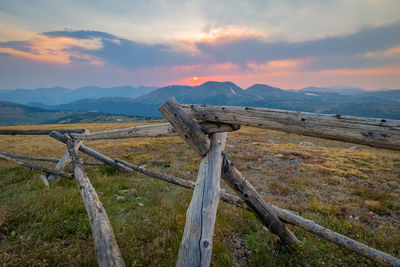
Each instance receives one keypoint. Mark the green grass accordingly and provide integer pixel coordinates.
(49, 226)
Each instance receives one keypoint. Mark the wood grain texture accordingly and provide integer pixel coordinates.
(107, 251)
(381, 133)
(155, 130)
(185, 126)
(39, 131)
(91, 152)
(35, 166)
(197, 240)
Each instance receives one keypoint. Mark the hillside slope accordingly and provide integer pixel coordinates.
(17, 114)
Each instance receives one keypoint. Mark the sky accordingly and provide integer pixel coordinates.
(286, 44)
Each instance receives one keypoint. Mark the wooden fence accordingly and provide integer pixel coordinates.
(204, 128)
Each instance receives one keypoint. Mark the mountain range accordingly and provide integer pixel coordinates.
(338, 100)
(61, 95)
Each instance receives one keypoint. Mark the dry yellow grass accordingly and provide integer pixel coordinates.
(353, 191)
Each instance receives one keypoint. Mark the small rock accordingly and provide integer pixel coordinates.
(354, 147)
(143, 166)
(140, 204)
(188, 172)
(306, 144)
(100, 193)
(293, 161)
(279, 156)
(371, 213)
(127, 191)
(229, 146)
(356, 218)
(350, 217)
(138, 198)
(271, 141)
(117, 197)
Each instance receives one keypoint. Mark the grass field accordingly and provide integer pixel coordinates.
(355, 192)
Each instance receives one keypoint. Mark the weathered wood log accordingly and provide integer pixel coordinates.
(185, 126)
(341, 240)
(226, 197)
(35, 166)
(66, 158)
(156, 130)
(39, 131)
(91, 152)
(107, 251)
(260, 207)
(197, 240)
(47, 159)
(382, 133)
(179, 118)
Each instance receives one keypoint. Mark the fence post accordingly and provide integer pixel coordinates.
(197, 240)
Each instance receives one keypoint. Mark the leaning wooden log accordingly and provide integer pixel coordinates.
(66, 159)
(39, 131)
(287, 217)
(93, 153)
(35, 166)
(47, 159)
(382, 133)
(197, 240)
(155, 130)
(179, 118)
(260, 207)
(226, 197)
(185, 126)
(107, 250)
(341, 240)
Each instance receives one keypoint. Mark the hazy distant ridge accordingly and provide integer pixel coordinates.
(61, 95)
(346, 101)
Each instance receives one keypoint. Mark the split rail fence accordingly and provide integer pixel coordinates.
(205, 128)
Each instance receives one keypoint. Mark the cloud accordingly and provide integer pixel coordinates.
(83, 34)
(235, 54)
(254, 49)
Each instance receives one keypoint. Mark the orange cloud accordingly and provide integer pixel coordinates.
(56, 49)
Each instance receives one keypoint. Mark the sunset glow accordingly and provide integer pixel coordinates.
(245, 44)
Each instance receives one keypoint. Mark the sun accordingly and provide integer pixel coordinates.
(195, 78)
